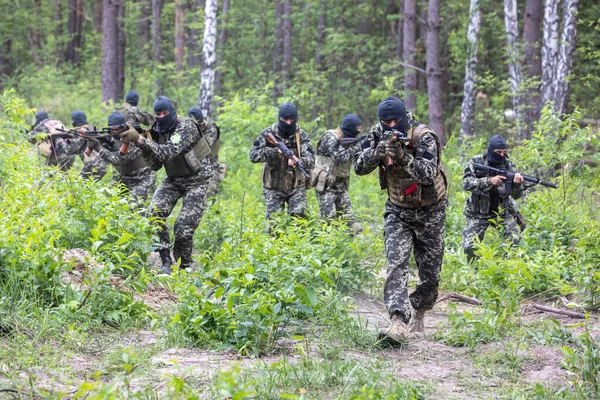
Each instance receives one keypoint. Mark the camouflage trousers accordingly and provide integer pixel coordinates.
(62, 161)
(139, 183)
(476, 227)
(422, 231)
(95, 168)
(296, 201)
(335, 203)
(193, 191)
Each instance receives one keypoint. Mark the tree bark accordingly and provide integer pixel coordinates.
(408, 48)
(222, 41)
(193, 58)
(514, 69)
(98, 11)
(74, 27)
(278, 48)
(209, 58)
(532, 34)
(287, 43)
(156, 42)
(110, 55)
(568, 38)
(179, 35)
(320, 34)
(434, 74)
(121, 46)
(400, 30)
(467, 116)
(57, 17)
(549, 51)
(143, 26)
(35, 34)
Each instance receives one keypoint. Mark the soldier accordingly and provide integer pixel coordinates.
(282, 181)
(179, 145)
(46, 147)
(134, 172)
(93, 166)
(132, 113)
(415, 213)
(213, 135)
(490, 201)
(331, 176)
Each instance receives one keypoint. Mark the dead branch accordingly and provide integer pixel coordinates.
(573, 314)
(541, 293)
(421, 70)
(462, 298)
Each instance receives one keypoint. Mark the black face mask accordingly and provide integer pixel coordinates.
(165, 123)
(400, 126)
(495, 159)
(286, 130)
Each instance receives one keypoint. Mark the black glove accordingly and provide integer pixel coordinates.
(94, 144)
(380, 151)
(394, 150)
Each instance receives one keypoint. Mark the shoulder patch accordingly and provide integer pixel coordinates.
(176, 138)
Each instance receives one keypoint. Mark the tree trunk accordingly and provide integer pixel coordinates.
(568, 37)
(532, 34)
(400, 31)
(5, 47)
(156, 42)
(408, 48)
(320, 34)
(514, 69)
(287, 43)
(179, 35)
(434, 74)
(143, 26)
(110, 53)
(278, 48)
(193, 58)
(209, 57)
(467, 115)
(58, 27)
(35, 34)
(222, 41)
(98, 19)
(549, 51)
(121, 45)
(74, 27)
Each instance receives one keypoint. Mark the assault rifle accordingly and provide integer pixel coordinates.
(394, 137)
(348, 141)
(104, 135)
(511, 175)
(287, 153)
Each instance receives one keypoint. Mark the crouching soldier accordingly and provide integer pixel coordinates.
(213, 135)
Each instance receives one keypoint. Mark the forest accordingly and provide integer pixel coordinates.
(290, 308)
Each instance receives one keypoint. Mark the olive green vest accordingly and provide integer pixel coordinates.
(186, 163)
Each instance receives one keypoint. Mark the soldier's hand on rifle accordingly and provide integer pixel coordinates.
(130, 135)
(394, 150)
(94, 144)
(497, 180)
(380, 151)
(292, 163)
(272, 153)
(518, 178)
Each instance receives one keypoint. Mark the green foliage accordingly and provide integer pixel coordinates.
(583, 361)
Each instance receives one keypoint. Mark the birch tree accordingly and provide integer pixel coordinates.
(532, 38)
(514, 70)
(467, 115)
(408, 49)
(549, 50)
(209, 57)
(434, 73)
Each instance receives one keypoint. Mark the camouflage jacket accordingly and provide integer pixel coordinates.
(174, 149)
(333, 162)
(277, 174)
(486, 199)
(135, 115)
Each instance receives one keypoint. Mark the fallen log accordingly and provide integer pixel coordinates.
(462, 298)
(573, 314)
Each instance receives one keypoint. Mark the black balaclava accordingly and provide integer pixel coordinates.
(40, 116)
(132, 98)
(392, 108)
(79, 118)
(349, 125)
(196, 113)
(287, 111)
(116, 118)
(163, 103)
(495, 159)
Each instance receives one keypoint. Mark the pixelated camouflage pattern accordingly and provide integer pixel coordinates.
(289, 183)
(93, 166)
(61, 160)
(504, 217)
(334, 199)
(211, 133)
(420, 230)
(192, 188)
(135, 115)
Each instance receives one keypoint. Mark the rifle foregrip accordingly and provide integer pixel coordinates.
(124, 148)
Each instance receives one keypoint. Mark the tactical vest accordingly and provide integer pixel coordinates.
(327, 163)
(281, 176)
(53, 125)
(129, 167)
(402, 190)
(189, 162)
(481, 200)
(45, 146)
(216, 146)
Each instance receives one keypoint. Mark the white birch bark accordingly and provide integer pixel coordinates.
(549, 50)
(565, 55)
(467, 115)
(514, 69)
(209, 58)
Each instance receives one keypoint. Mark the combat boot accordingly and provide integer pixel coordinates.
(165, 257)
(416, 326)
(396, 333)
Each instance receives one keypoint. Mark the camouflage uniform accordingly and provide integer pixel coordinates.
(415, 216)
(135, 115)
(183, 151)
(134, 173)
(488, 204)
(213, 135)
(331, 176)
(93, 166)
(282, 183)
(45, 146)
